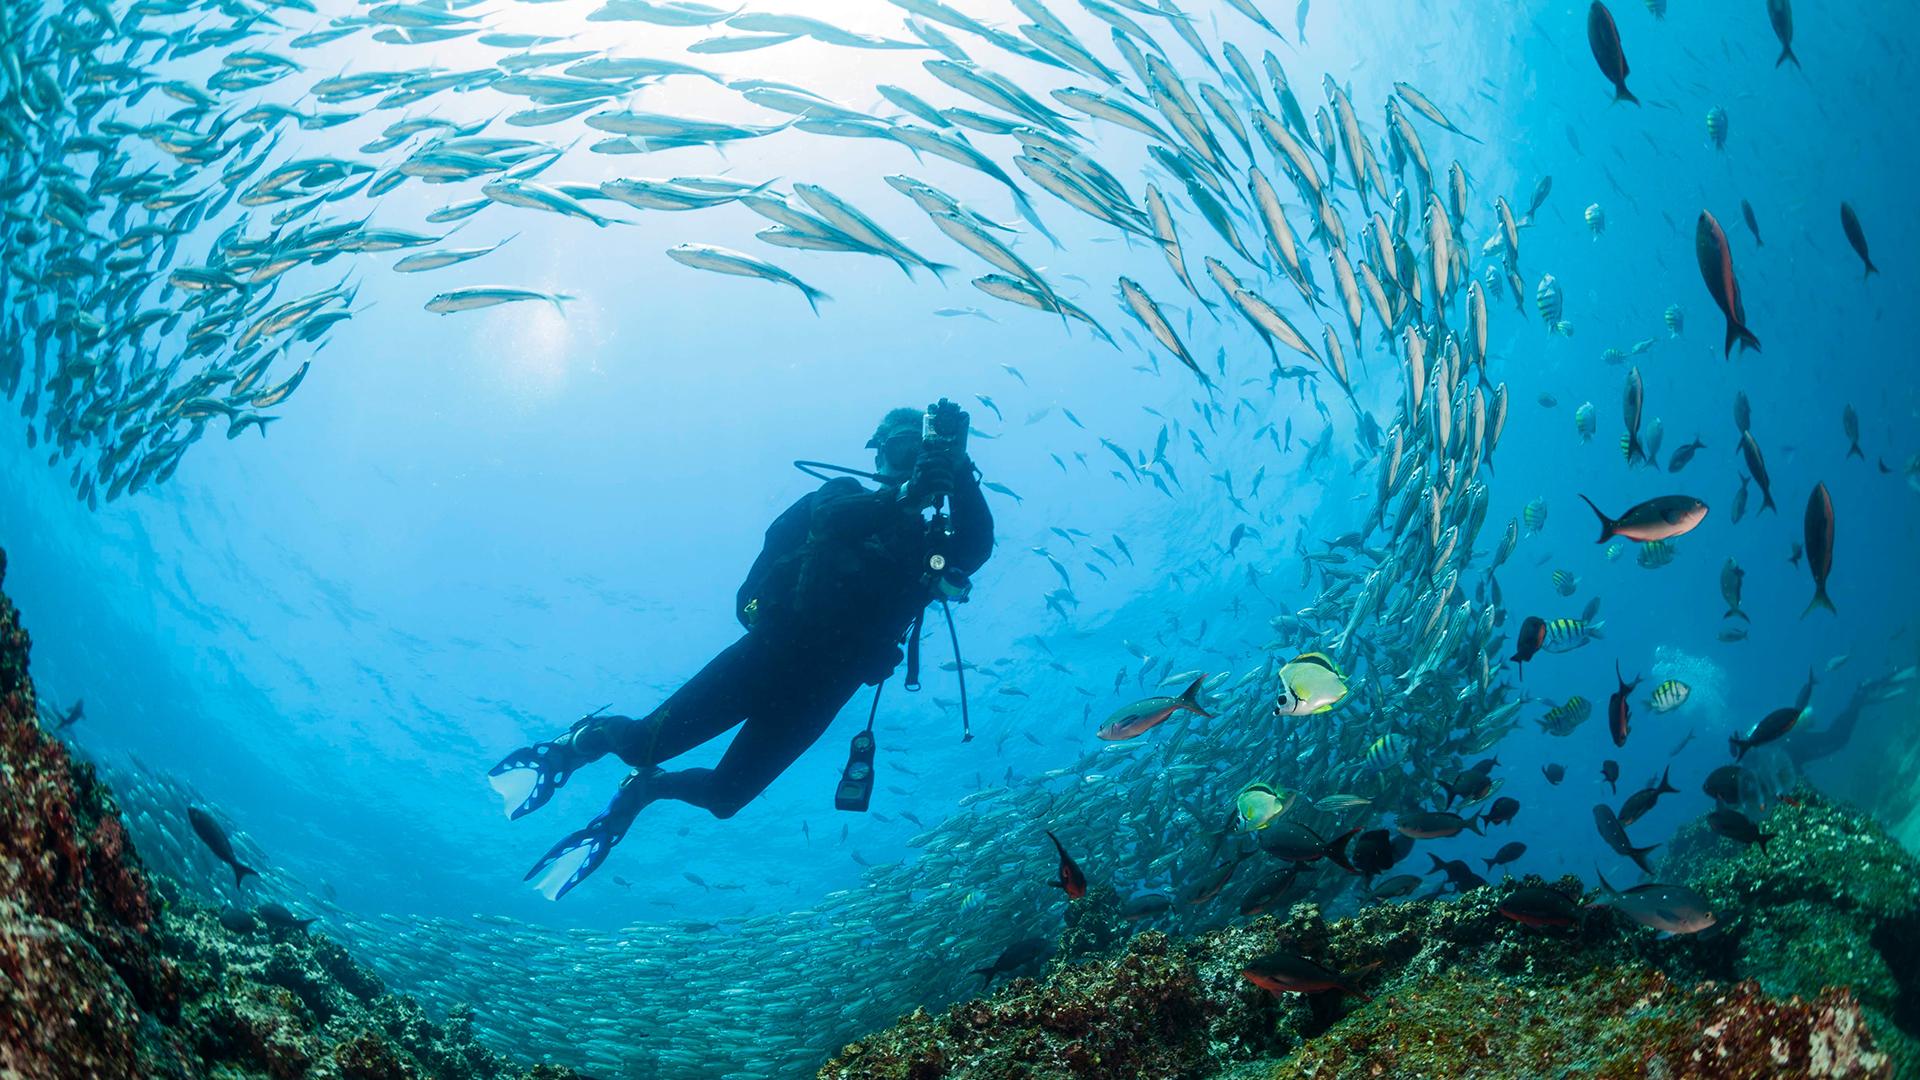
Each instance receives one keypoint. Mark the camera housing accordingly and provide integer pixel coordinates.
(944, 429)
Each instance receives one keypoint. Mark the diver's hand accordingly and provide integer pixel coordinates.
(594, 841)
(932, 478)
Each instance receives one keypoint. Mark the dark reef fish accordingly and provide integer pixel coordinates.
(1772, 727)
(1850, 223)
(1434, 824)
(1532, 635)
(1071, 879)
(1615, 834)
(1459, 874)
(1283, 972)
(278, 917)
(1757, 465)
(1818, 526)
(1016, 957)
(1737, 827)
(1508, 852)
(1780, 14)
(1531, 905)
(1753, 223)
(1610, 772)
(1620, 706)
(1640, 802)
(1671, 909)
(1604, 38)
(1297, 843)
(1716, 269)
(215, 837)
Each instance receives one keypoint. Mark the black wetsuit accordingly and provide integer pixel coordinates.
(836, 587)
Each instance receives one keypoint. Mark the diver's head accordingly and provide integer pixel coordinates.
(895, 445)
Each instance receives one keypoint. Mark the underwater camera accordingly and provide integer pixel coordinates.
(944, 430)
(855, 789)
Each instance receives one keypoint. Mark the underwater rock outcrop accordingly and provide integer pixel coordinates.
(1810, 972)
(107, 974)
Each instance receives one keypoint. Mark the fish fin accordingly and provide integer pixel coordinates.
(1871, 270)
(1854, 451)
(814, 296)
(1819, 600)
(1190, 697)
(241, 871)
(1737, 332)
(1336, 850)
(1621, 93)
(1606, 523)
(1736, 613)
(1639, 857)
(1597, 630)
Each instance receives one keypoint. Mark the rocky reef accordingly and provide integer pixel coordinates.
(110, 974)
(1812, 971)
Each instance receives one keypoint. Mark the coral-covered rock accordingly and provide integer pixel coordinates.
(1455, 990)
(107, 975)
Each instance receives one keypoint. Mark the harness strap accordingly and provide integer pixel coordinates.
(960, 670)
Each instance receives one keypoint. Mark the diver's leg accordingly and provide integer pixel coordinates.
(780, 727)
(706, 705)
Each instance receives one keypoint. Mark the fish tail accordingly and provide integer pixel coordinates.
(1736, 613)
(1337, 850)
(1820, 600)
(1786, 54)
(813, 295)
(1738, 745)
(560, 299)
(1737, 332)
(1623, 94)
(1871, 270)
(1639, 857)
(1191, 697)
(1762, 841)
(1606, 523)
(1855, 451)
(1766, 503)
(241, 871)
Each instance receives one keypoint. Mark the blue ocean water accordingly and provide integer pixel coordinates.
(469, 530)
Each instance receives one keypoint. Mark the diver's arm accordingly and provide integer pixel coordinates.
(787, 533)
(972, 522)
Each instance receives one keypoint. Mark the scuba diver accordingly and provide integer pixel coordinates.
(842, 582)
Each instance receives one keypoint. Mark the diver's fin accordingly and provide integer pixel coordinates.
(586, 848)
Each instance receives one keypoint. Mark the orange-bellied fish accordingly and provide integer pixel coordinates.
(1071, 878)
(1819, 535)
(1620, 706)
(1148, 713)
(1716, 269)
(1286, 972)
(1604, 38)
(1656, 519)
